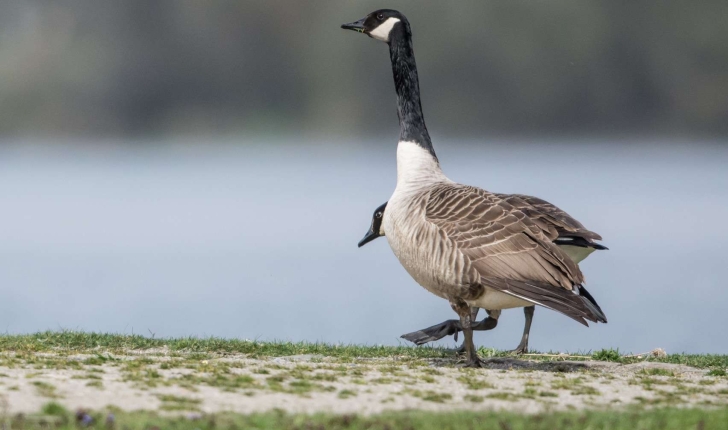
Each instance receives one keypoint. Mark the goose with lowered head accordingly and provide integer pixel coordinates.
(570, 235)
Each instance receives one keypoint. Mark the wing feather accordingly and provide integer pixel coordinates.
(506, 242)
(557, 222)
(510, 246)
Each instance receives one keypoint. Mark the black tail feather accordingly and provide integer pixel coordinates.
(579, 307)
(579, 241)
(592, 304)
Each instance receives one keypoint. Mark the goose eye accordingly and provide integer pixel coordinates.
(378, 215)
(380, 16)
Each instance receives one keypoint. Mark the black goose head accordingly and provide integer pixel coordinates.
(381, 24)
(375, 230)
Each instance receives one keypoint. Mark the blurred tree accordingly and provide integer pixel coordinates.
(139, 67)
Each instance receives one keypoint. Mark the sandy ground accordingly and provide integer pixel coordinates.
(196, 384)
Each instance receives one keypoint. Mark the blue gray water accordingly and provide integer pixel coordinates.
(259, 241)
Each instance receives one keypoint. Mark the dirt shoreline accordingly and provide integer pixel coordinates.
(195, 383)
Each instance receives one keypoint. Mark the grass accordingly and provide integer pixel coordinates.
(206, 362)
(55, 416)
(502, 395)
(177, 403)
(585, 390)
(430, 396)
(345, 394)
(717, 372)
(101, 344)
(474, 383)
(45, 389)
(95, 384)
(656, 372)
(473, 398)
(50, 341)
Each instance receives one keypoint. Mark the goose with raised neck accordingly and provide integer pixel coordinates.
(462, 243)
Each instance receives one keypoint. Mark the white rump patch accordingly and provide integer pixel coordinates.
(576, 253)
(382, 32)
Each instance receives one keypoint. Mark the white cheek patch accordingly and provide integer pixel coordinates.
(382, 32)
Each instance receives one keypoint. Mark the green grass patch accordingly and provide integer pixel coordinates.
(427, 378)
(529, 393)
(473, 398)
(607, 355)
(664, 419)
(656, 372)
(585, 390)
(224, 381)
(430, 396)
(80, 342)
(177, 403)
(53, 408)
(86, 376)
(102, 345)
(345, 394)
(471, 381)
(566, 383)
(502, 395)
(45, 389)
(95, 384)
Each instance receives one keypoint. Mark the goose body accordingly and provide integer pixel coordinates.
(467, 244)
(463, 243)
(568, 233)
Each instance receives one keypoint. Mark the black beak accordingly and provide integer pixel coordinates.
(370, 236)
(356, 26)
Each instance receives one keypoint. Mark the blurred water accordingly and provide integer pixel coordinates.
(259, 241)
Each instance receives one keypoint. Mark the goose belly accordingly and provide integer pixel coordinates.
(493, 299)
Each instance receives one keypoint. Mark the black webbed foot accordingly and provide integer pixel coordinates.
(447, 328)
(436, 332)
(520, 349)
(474, 363)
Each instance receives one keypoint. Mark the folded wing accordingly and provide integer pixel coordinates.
(512, 251)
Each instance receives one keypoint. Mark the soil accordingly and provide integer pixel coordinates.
(308, 384)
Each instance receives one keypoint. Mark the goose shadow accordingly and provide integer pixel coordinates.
(508, 363)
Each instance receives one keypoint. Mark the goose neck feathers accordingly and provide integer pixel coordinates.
(412, 126)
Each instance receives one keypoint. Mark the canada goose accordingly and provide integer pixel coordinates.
(462, 243)
(573, 238)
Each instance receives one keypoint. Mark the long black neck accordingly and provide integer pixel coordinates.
(409, 109)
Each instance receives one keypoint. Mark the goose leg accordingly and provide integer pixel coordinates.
(487, 323)
(522, 347)
(473, 317)
(474, 314)
(464, 311)
(447, 328)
